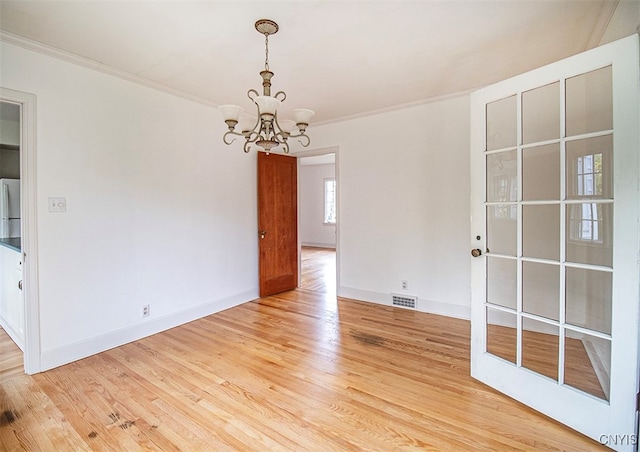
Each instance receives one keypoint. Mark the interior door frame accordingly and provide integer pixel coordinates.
(592, 422)
(29, 215)
(313, 153)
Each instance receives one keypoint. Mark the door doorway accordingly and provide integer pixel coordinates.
(278, 254)
(11, 302)
(555, 270)
(318, 220)
(25, 281)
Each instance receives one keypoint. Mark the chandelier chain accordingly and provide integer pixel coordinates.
(266, 51)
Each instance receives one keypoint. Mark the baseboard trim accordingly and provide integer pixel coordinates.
(66, 354)
(319, 245)
(429, 306)
(13, 334)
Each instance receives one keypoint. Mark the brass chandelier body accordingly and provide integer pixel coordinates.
(267, 132)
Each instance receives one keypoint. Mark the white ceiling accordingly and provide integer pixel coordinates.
(339, 58)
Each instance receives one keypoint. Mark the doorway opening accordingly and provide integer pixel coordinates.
(22, 276)
(318, 221)
(12, 338)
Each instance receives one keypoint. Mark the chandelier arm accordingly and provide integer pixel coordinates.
(254, 92)
(247, 146)
(285, 147)
(284, 95)
(230, 133)
(256, 126)
(277, 130)
(300, 136)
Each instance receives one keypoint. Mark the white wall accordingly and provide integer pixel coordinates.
(404, 204)
(159, 210)
(313, 231)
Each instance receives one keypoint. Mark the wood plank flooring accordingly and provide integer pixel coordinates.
(319, 270)
(11, 361)
(297, 371)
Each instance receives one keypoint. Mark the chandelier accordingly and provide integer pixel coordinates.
(267, 131)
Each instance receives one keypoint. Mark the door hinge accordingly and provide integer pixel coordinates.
(638, 401)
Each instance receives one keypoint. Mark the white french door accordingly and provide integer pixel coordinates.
(555, 213)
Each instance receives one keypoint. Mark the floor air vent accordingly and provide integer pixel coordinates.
(404, 301)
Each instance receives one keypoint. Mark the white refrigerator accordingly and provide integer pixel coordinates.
(9, 208)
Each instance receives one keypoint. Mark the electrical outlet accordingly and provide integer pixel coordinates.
(405, 284)
(145, 310)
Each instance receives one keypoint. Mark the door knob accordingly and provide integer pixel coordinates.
(476, 252)
(262, 234)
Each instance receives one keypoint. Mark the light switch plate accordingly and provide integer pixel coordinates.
(57, 204)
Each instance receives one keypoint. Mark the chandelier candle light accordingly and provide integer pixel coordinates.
(267, 132)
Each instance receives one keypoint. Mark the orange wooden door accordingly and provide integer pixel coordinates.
(277, 223)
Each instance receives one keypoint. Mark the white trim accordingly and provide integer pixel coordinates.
(423, 305)
(91, 64)
(88, 347)
(96, 66)
(28, 187)
(604, 18)
(396, 107)
(319, 245)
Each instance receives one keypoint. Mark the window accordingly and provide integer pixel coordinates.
(505, 190)
(588, 221)
(585, 222)
(589, 175)
(329, 201)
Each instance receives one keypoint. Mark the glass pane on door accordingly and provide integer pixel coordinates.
(502, 282)
(502, 177)
(502, 334)
(502, 229)
(541, 231)
(540, 347)
(541, 114)
(588, 299)
(541, 289)
(502, 123)
(589, 237)
(587, 363)
(541, 173)
(589, 102)
(589, 167)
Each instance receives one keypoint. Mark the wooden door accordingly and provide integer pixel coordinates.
(277, 223)
(555, 214)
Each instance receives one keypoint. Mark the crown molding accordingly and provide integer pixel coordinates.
(607, 11)
(88, 63)
(396, 107)
(77, 60)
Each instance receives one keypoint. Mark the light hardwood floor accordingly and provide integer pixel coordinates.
(297, 371)
(319, 270)
(11, 361)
